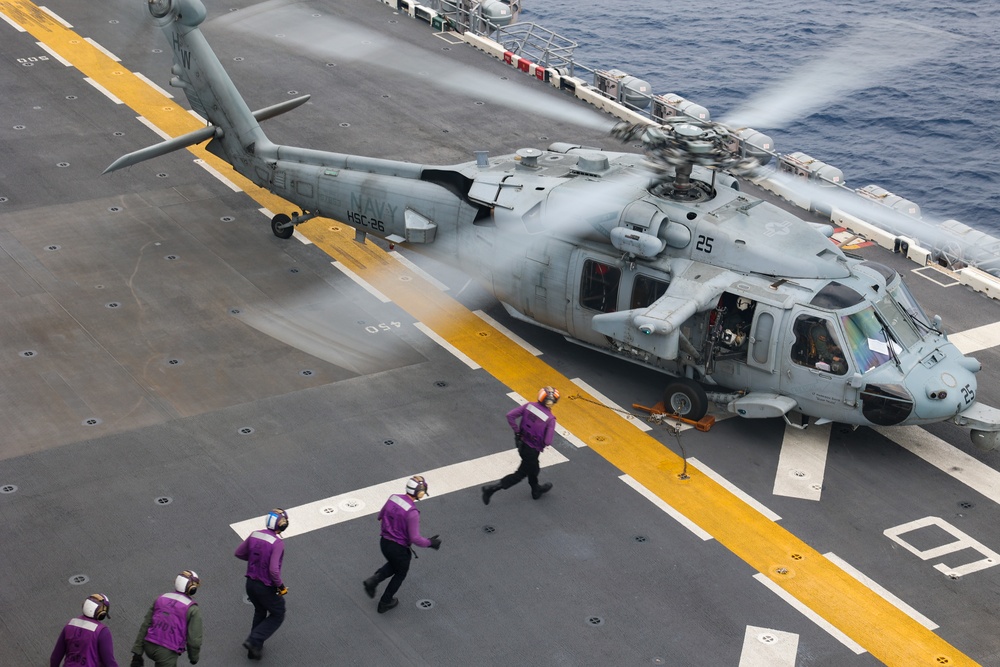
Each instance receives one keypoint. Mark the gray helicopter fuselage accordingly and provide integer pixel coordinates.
(685, 274)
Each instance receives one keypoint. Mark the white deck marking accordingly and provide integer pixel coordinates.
(528, 347)
(961, 542)
(802, 462)
(198, 116)
(624, 414)
(808, 613)
(45, 47)
(951, 460)
(733, 489)
(55, 17)
(148, 123)
(102, 49)
(763, 647)
(368, 501)
(886, 595)
(13, 24)
(461, 356)
(152, 85)
(662, 504)
(218, 175)
(417, 270)
(973, 340)
(361, 282)
(104, 91)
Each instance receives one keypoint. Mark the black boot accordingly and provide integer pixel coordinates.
(391, 604)
(489, 490)
(370, 583)
(541, 490)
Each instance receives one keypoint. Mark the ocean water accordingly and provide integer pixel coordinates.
(920, 115)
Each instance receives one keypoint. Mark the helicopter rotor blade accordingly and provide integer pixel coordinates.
(927, 233)
(864, 59)
(301, 29)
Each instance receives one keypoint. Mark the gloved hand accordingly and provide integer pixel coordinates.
(518, 440)
(435, 542)
(283, 590)
(136, 660)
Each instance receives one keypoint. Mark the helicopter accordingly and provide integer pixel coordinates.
(657, 257)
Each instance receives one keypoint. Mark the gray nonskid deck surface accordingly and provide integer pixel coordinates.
(236, 374)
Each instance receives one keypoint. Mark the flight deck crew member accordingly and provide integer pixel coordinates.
(85, 640)
(533, 425)
(172, 625)
(263, 551)
(400, 529)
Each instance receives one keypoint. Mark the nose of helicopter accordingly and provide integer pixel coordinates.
(945, 388)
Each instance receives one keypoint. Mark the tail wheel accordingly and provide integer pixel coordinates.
(279, 231)
(685, 398)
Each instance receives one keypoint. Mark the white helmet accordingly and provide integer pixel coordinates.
(187, 582)
(277, 520)
(416, 487)
(97, 607)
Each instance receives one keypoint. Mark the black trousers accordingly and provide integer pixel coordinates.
(529, 467)
(268, 611)
(397, 565)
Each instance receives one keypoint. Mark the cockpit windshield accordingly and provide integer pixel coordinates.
(899, 322)
(867, 339)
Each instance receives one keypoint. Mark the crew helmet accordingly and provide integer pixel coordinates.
(416, 486)
(547, 394)
(97, 607)
(277, 520)
(187, 582)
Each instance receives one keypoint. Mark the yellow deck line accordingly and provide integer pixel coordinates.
(882, 629)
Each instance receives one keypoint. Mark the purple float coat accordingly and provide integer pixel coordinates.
(170, 621)
(84, 641)
(537, 425)
(401, 521)
(263, 551)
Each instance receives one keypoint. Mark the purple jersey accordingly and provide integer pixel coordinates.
(401, 521)
(168, 627)
(537, 424)
(263, 551)
(84, 642)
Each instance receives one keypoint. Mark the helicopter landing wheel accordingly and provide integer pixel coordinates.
(685, 398)
(282, 232)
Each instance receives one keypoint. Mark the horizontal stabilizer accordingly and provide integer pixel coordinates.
(280, 108)
(198, 136)
(162, 148)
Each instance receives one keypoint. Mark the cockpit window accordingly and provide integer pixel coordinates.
(901, 293)
(867, 339)
(836, 296)
(899, 322)
(816, 346)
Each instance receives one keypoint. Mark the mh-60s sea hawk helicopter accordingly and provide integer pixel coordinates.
(656, 258)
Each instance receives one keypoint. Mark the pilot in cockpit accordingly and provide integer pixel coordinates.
(817, 348)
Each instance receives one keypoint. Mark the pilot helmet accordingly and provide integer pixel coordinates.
(416, 487)
(548, 396)
(187, 582)
(97, 607)
(277, 520)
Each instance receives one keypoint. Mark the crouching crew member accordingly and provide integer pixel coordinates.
(172, 625)
(264, 551)
(533, 425)
(400, 529)
(85, 640)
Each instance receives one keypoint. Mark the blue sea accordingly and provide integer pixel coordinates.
(923, 119)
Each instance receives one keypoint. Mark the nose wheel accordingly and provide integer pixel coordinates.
(283, 226)
(686, 398)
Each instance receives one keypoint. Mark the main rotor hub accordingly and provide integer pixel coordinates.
(674, 148)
